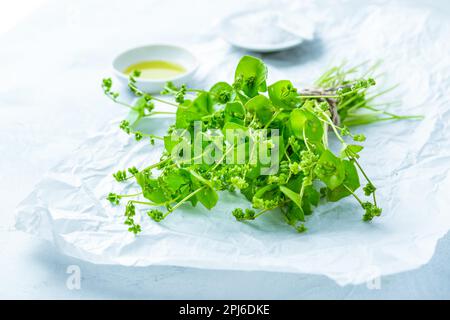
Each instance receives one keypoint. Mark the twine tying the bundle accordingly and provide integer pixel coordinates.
(331, 102)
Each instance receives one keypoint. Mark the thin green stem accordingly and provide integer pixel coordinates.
(370, 70)
(184, 200)
(365, 176)
(145, 202)
(150, 135)
(117, 101)
(306, 140)
(129, 195)
(357, 122)
(157, 164)
(360, 168)
(195, 90)
(273, 118)
(159, 112)
(208, 116)
(222, 158)
(356, 197)
(261, 212)
(165, 101)
(330, 122)
(325, 136)
(369, 99)
(391, 114)
(140, 93)
(302, 191)
(374, 199)
(188, 160)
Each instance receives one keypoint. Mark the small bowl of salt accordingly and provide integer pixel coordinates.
(265, 31)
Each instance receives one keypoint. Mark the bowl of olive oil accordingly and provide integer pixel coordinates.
(157, 64)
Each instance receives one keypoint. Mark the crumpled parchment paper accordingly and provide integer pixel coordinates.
(408, 160)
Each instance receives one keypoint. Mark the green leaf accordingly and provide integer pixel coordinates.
(233, 126)
(170, 142)
(295, 197)
(330, 170)
(262, 107)
(311, 198)
(264, 112)
(151, 188)
(194, 110)
(137, 111)
(208, 197)
(294, 214)
(236, 134)
(295, 183)
(254, 172)
(261, 192)
(234, 112)
(351, 181)
(351, 150)
(284, 95)
(234, 109)
(175, 179)
(221, 93)
(253, 103)
(251, 75)
(304, 123)
(196, 178)
(312, 195)
(185, 115)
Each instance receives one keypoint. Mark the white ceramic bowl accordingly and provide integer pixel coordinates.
(168, 53)
(258, 36)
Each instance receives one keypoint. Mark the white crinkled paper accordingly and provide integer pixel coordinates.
(408, 160)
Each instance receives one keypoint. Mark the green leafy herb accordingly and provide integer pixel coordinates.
(307, 171)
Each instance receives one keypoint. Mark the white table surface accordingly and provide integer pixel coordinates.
(51, 64)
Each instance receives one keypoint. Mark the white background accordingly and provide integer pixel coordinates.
(52, 56)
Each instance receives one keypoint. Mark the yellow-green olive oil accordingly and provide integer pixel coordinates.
(156, 69)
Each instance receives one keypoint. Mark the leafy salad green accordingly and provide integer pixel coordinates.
(308, 172)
